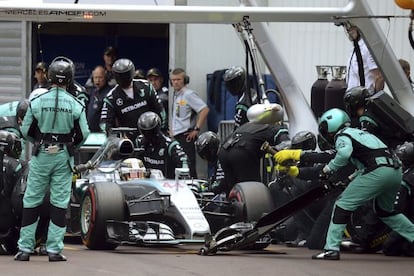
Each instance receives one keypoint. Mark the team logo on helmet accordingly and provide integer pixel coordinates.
(119, 102)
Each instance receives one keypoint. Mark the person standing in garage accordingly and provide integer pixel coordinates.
(40, 75)
(96, 94)
(189, 114)
(155, 77)
(109, 56)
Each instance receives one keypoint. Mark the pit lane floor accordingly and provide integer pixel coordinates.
(183, 260)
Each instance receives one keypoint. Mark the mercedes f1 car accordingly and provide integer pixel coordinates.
(117, 200)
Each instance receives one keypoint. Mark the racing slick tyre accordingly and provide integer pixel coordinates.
(101, 202)
(252, 199)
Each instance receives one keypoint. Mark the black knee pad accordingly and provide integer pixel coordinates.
(30, 215)
(341, 216)
(57, 216)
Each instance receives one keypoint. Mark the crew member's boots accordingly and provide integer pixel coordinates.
(22, 256)
(327, 255)
(57, 257)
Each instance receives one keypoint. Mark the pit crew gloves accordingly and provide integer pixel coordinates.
(292, 170)
(284, 155)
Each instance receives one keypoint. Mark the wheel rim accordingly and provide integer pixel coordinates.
(86, 214)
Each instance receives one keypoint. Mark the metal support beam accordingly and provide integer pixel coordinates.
(32, 11)
(297, 108)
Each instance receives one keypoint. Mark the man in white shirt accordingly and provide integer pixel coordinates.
(362, 69)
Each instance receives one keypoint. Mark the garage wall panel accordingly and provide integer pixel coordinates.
(13, 60)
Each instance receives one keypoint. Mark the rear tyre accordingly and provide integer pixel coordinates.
(253, 199)
(101, 202)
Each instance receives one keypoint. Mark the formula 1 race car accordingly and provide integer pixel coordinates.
(117, 200)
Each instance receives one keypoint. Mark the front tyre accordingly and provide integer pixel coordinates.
(101, 202)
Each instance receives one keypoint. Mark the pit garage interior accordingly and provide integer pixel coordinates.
(147, 45)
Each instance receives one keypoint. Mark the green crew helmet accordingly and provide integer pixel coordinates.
(331, 122)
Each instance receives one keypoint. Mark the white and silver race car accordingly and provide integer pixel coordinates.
(119, 201)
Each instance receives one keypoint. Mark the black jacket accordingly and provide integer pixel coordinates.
(121, 111)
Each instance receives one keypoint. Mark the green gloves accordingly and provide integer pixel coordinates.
(284, 155)
(292, 170)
